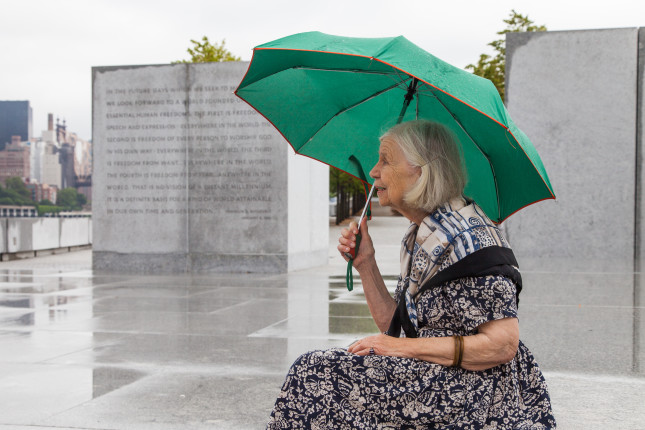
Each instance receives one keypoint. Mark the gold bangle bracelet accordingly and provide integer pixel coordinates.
(457, 358)
(461, 351)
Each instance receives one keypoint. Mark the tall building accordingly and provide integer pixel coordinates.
(14, 160)
(42, 192)
(45, 163)
(75, 156)
(15, 120)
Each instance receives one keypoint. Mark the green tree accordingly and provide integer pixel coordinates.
(348, 190)
(16, 184)
(341, 181)
(68, 199)
(81, 199)
(494, 67)
(48, 209)
(45, 202)
(205, 52)
(16, 193)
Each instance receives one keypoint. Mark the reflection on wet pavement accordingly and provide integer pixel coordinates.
(96, 351)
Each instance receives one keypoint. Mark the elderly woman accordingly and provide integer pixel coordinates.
(451, 356)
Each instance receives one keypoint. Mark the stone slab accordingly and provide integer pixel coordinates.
(583, 401)
(574, 93)
(74, 231)
(24, 235)
(640, 160)
(3, 235)
(185, 171)
(308, 232)
(159, 352)
(32, 234)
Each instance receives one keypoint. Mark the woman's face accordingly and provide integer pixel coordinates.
(393, 175)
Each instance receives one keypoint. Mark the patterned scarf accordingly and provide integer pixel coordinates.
(451, 232)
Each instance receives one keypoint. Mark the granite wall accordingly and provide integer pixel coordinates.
(188, 178)
(578, 96)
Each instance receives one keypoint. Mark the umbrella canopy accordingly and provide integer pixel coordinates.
(331, 98)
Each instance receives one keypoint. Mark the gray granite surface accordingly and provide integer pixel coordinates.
(188, 178)
(574, 93)
(87, 350)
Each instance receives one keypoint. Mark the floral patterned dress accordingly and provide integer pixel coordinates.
(334, 389)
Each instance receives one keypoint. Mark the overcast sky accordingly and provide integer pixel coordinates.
(47, 48)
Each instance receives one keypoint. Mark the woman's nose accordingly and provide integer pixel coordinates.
(374, 173)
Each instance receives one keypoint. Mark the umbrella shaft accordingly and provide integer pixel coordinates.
(412, 88)
(367, 204)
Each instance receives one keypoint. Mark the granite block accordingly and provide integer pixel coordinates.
(184, 169)
(574, 93)
(3, 235)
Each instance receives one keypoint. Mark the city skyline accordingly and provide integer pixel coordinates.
(45, 162)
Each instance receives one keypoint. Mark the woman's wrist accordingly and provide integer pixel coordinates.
(367, 264)
(438, 350)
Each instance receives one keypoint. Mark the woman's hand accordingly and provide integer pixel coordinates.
(439, 350)
(495, 343)
(379, 300)
(382, 344)
(347, 241)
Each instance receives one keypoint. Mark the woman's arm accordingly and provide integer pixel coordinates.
(379, 300)
(496, 343)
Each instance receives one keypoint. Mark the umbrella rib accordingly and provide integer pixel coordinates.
(402, 76)
(367, 72)
(492, 168)
(366, 99)
(417, 106)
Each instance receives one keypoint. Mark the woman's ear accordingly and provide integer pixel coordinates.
(418, 171)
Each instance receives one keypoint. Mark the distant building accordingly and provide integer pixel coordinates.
(15, 120)
(49, 192)
(42, 192)
(58, 159)
(45, 163)
(75, 155)
(14, 160)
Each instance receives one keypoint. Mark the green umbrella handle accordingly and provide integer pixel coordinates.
(349, 278)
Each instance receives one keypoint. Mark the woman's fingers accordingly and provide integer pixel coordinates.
(359, 348)
(347, 239)
(365, 346)
(380, 344)
(346, 242)
(344, 245)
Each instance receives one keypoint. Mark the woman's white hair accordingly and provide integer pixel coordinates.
(433, 148)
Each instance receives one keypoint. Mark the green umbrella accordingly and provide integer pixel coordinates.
(331, 97)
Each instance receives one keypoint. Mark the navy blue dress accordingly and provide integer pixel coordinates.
(334, 389)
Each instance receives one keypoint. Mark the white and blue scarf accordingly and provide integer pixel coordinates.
(453, 231)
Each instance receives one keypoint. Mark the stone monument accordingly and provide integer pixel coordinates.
(579, 96)
(575, 94)
(188, 178)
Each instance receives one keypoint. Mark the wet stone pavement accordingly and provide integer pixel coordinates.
(84, 350)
